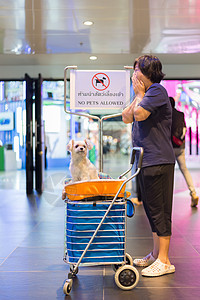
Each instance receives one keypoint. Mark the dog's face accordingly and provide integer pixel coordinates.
(79, 147)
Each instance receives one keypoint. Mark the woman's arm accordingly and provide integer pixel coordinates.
(141, 114)
(128, 113)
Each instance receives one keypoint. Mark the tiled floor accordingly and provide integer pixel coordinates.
(32, 244)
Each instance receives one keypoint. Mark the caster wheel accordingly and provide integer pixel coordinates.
(72, 267)
(129, 261)
(126, 277)
(67, 286)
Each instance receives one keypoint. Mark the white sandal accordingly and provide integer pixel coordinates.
(157, 269)
(145, 261)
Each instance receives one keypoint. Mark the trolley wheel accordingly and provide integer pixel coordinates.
(67, 286)
(126, 277)
(129, 261)
(72, 267)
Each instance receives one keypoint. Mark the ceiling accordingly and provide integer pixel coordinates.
(49, 29)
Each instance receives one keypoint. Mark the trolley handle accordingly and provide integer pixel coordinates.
(135, 149)
(132, 162)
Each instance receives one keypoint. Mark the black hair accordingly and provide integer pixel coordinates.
(172, 101)
(151, 67)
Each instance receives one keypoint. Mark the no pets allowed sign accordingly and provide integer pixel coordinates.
(99, 89)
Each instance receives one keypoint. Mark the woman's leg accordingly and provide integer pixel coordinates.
(161, 248)
(180, 157)
(156, 243)
(164, 242)
(158, 205)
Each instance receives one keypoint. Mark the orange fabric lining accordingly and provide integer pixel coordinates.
(86, 189)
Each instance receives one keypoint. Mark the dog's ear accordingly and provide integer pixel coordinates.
(88, 144)
(70, 145)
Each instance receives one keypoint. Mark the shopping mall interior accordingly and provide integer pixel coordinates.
(65, 73)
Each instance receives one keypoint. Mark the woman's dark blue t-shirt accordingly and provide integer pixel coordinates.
(154, 133)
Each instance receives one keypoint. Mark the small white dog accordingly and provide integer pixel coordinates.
(80, 166)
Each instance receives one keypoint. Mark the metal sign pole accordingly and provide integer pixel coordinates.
(82, 114)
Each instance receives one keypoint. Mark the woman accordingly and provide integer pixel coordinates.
(151, 113)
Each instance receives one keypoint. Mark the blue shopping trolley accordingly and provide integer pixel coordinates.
(95, 230)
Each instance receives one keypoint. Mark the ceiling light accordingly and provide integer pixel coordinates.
(93, 57)
(88, 23)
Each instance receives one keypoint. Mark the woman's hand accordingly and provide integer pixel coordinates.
(138, 86)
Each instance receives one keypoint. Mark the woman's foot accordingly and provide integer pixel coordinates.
(157, 269)
(194, 199)
(145, 261)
